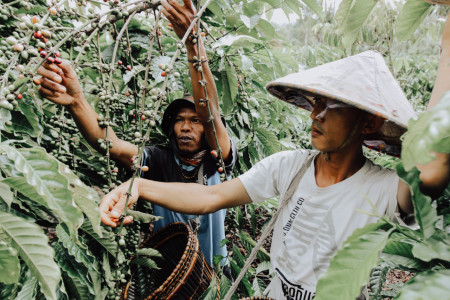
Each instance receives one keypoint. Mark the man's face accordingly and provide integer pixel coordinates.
(188, 130)
(332, 126)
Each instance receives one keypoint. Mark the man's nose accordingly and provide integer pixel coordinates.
(186, 126)
(318, 113)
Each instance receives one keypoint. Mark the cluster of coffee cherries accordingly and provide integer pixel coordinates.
(167, 70)
(12, 98)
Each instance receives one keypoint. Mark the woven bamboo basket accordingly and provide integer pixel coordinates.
(184, 273)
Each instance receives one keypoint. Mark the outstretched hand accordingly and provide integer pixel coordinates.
(59, 83)
(113, 204)
(180, 16)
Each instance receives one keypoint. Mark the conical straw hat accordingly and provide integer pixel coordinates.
(363, 81)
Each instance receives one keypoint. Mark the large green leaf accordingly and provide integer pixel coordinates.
(106, 240)
(27, 289)
(229, 89)
(80, 252)
(315, 6)
(268, 139)
(74, 269)
(350, 267)
(429, 285)
(32, 245)
(352, 22)
(38, 176)
(424, 213)
(85, 197)
(411, 16)
(433, 248)
(430, 132)
(9, 264)
(6, 194)
(249, 244)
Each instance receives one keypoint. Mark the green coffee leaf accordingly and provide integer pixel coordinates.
(428, 285)
(350, 267)
(9, 264)
(411, 16)
(32, 245)
(430, 132)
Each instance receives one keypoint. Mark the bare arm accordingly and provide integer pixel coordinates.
(435, 175)
(60, 85)
(187, 198)
(181, 18)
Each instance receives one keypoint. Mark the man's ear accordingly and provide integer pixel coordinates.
(372, 124)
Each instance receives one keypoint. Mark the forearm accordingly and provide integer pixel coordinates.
(192, 198)
(442, 83)
(435, 176)
(196, 76)
(174, 196)
(86, 120)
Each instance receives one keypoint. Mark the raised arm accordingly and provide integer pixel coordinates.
(60, 84)
(435, 175)
(181, 17)
(187, 198)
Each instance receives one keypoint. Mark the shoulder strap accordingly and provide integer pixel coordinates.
(287, 196)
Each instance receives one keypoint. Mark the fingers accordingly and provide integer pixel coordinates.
(66, 67)
(189, 6)
(170, 11)
(50, 72)
(52, 86)
(105, 207)
(49, 94)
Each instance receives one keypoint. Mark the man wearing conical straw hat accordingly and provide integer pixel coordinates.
(353, 102)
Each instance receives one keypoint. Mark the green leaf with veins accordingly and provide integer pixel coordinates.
(350, 267)
(424, 213)
(38, 176)
(430, 132)
(9, 264)
(32, 245)
(428, 285)
(411, 16)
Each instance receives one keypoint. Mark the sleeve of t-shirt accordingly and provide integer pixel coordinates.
(271, 176)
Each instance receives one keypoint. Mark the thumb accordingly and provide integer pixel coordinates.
(66, 67)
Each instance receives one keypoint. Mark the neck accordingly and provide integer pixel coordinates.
(334, 167)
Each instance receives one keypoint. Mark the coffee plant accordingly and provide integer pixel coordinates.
(131, 65)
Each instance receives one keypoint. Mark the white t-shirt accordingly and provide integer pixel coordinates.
(316, 221)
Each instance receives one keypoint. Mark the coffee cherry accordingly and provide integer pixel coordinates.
(53, 11)
(144, 168)
(50, 59)
(220, 169)
(214, 153)
(38, 34)
(58, 60)
(19, 96)
(35, 19)
(43, 53)
(129, 68)
(57, 54)
(163, 73)
(18, 47)
(119, 62)
(122, 242)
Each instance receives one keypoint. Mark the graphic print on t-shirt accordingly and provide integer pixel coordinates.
(310, 237)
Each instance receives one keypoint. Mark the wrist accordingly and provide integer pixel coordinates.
(77, 100)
